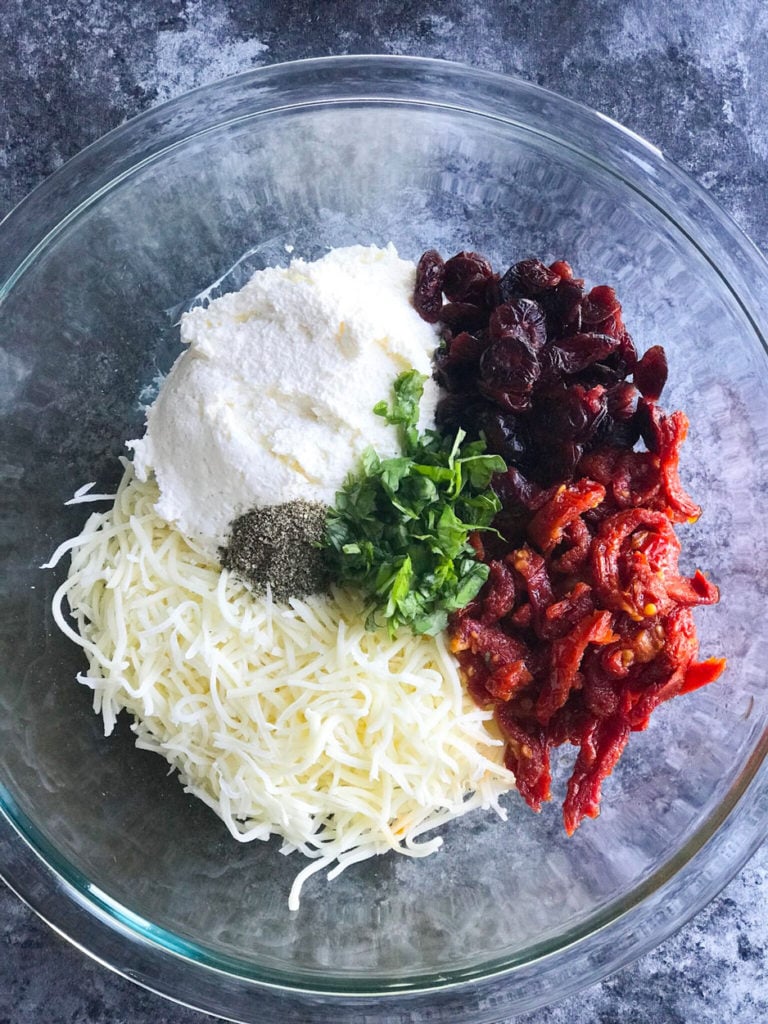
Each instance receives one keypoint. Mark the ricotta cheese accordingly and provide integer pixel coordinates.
(272, 400)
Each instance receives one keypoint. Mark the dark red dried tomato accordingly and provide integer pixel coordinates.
(566, 655)
(507, 680)
(701, 673)
(616, 567)
(664, 435)
(561, 617)
(599, 693)
(571, 554)
(495, 645)
(533, 571)
(498, 594)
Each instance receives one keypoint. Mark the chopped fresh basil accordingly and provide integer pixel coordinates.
(400, 526)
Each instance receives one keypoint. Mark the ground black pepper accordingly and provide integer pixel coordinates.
(277, 544)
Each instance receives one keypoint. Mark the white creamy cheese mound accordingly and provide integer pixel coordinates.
(290, 720)
(272, 400)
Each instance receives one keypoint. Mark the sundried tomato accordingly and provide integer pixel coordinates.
(584, 625)
(561, 617)
(701, 673)
(496, 646)
(618, 566)
(573, 550)
(666, 435)
(535, 577)
(527, 756)
(566, 656)
(568, 503)
(498, 594)
(505, 681)
(602, 744)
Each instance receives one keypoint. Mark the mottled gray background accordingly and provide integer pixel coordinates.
(690, 76)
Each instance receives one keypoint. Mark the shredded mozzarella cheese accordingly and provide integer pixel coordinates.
(288, 720)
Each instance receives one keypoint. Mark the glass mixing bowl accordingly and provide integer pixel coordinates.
(96, 265)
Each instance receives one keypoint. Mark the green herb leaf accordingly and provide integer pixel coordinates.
(400, 526)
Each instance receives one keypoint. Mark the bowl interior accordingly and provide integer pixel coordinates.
(88, 326)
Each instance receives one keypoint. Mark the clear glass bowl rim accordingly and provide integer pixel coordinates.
(109, 933)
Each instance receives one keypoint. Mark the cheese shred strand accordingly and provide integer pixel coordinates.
(284, 719)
